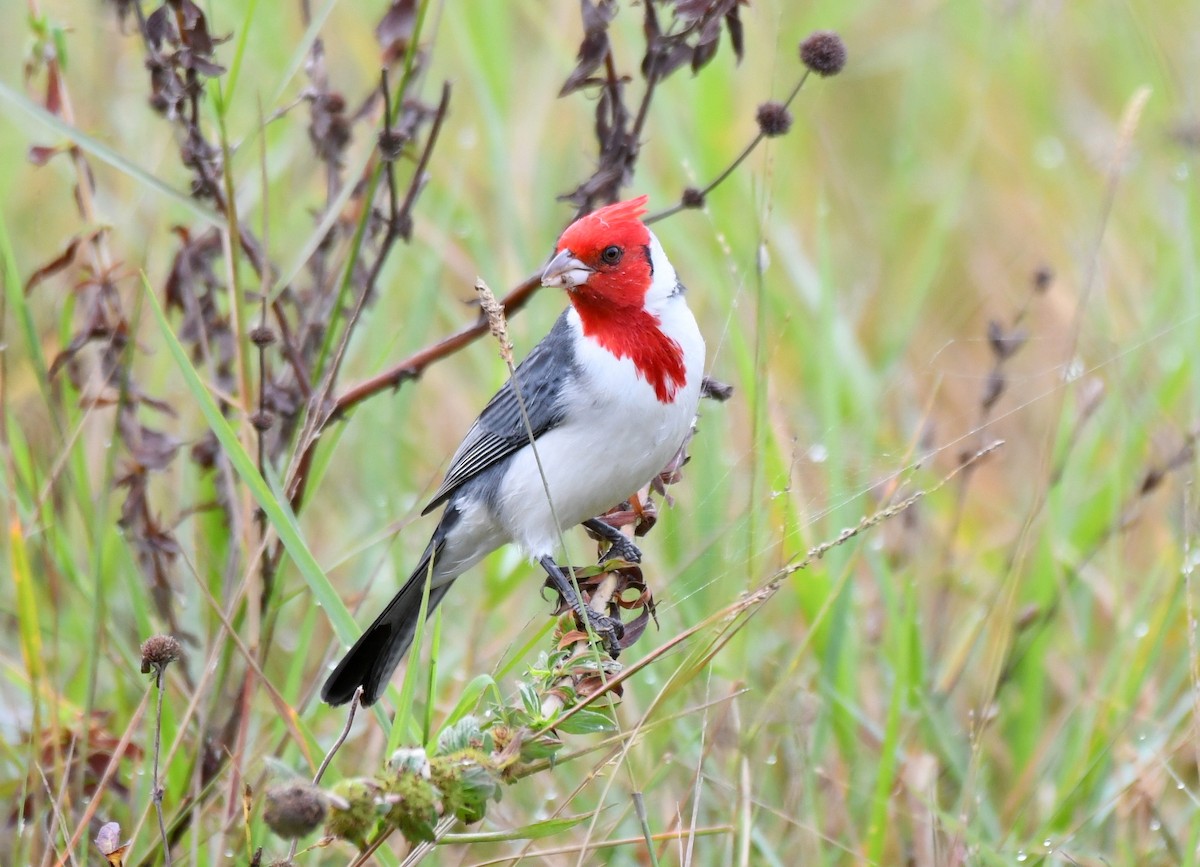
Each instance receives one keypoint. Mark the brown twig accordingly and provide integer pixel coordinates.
(692, 198)
(399, 226)
(412, 367)
(158, 789)
(337, 745)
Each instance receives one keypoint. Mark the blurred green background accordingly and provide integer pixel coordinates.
(1001, 673)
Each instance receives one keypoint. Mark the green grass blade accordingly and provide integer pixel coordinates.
(96, 148)
(278, 512)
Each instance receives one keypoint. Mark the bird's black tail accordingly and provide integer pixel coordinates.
(373, 658)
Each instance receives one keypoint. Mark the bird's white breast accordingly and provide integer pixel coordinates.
(616, 437)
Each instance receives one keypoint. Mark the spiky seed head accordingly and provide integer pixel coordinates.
(159, 651)
(353, 812)
(414, 809)
(823, 52)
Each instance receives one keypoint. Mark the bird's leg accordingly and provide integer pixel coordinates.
(608, 628)
(620, 545)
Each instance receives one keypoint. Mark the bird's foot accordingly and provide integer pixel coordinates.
(609, 630)
(622, 549)
(620, 546)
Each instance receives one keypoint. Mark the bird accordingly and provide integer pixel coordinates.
(609, 395)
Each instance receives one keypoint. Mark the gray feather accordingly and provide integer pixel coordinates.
(500, 430)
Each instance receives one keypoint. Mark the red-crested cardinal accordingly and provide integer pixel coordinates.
(611, 393)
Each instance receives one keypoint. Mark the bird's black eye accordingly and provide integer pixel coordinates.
(611, 254)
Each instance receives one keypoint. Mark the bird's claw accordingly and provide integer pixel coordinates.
(622, 549)
(609, 630)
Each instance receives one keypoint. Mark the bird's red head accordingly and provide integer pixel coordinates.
(603, 259)
(606, 261)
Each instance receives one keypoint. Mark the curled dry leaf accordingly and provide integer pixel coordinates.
(592, 51)
(630, 593)
(395, 29)
(60, 262)
(39, 155)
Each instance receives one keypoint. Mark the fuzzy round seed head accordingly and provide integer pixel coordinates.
(823, 52)
(262, 336)
(774, 119)
(262, 421)
(159, 651)
(692, 198)
(294, 809)
(391, 143)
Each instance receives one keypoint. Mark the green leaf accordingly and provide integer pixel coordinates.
(476, 786)
(239, 52)
(534, 831)
(586, 722)
(530, 698)
(470, 695)
(60, 45)
(543, 747)
(410, 759)
(15, 296)
(459, 736)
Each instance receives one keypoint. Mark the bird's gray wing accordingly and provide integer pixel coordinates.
(500, 430)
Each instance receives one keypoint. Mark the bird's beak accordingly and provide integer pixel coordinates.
(565, 271)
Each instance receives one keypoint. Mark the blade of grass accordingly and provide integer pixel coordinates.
(239, 52)
(99, 150)
(15, 296)
(278, 513)
(902, 685)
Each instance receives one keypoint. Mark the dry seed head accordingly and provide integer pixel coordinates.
(823, 52)
(262, 421)
(773, 119)
(262, 336)
(494, 311)
(294, 809)
(692, 198)
(159, 651)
